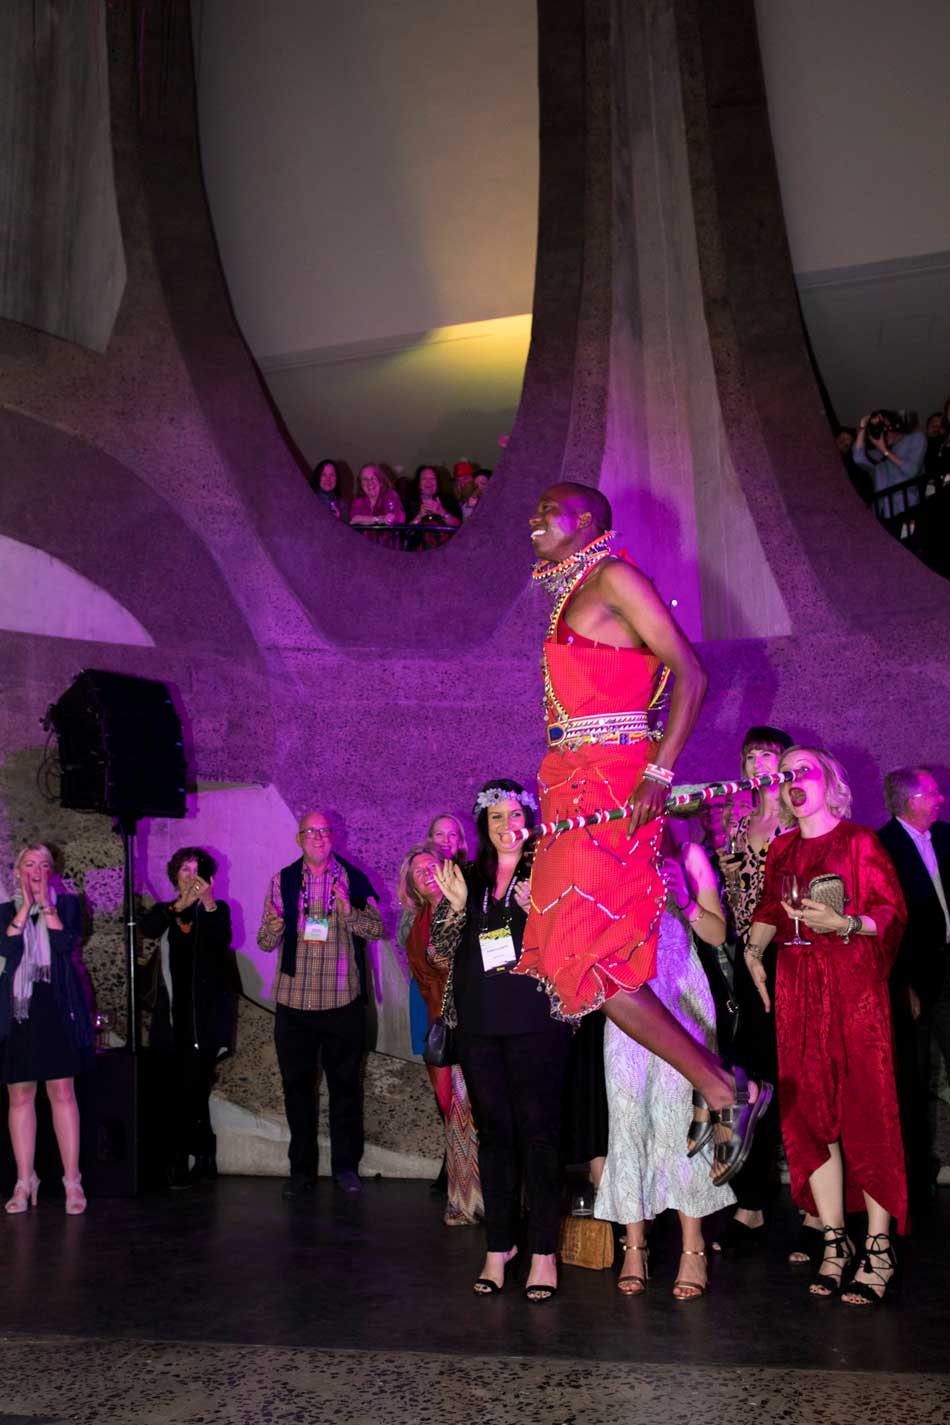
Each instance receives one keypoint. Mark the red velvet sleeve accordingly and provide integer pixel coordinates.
(878, 894)
(769, 909)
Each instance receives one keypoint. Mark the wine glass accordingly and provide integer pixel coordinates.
(793, 895)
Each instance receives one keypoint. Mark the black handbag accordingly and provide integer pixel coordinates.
(439, 1049)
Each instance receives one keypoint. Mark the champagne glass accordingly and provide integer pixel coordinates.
(793, 895)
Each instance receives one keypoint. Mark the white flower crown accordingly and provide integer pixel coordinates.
(493, 795)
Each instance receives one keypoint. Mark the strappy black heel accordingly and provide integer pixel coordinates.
(838, 1248)
(484, 1286)
(866, 1291)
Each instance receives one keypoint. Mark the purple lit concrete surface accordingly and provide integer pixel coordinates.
(313, 668)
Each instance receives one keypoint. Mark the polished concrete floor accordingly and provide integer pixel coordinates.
(227, 1304)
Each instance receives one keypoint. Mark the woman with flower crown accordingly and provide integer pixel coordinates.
(512, 1053)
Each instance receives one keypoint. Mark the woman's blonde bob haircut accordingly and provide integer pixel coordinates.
(837, 787)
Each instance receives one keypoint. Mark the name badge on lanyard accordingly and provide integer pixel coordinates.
(316, 927)
(498, 950)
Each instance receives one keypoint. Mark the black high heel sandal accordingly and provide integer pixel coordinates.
(484, 1286)
(865, 1290)
(823, 1284)
(803, 1253)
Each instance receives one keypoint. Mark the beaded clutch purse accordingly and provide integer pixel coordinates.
(828, 890)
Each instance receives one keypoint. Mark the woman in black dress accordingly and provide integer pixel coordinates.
(512, 1053)
(45, 1028)
(195, 996)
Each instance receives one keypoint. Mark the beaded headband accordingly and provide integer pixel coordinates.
(493, 795)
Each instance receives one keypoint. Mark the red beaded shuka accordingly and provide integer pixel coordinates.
(596, 894)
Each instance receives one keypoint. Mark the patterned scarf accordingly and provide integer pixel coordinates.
(35, 962)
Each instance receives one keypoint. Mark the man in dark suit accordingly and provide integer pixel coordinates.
(919, 846)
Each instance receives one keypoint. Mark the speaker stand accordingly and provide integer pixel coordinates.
(127, 824)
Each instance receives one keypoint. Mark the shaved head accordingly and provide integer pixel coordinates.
(585, 497)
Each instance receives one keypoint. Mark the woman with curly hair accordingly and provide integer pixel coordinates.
(195, 1001)
(419, 894)
(376, 503)
(837, 1095)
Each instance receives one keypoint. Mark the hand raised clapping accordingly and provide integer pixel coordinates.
(451, 883)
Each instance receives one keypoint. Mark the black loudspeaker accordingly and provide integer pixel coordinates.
(120, 747)
(122, 1143)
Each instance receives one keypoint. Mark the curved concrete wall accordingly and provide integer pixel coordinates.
(336, 673)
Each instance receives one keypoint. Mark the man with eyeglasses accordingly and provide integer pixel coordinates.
(919, 846)
(321, 911)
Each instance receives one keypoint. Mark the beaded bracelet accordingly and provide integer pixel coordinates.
(662, 775)
(854, 926)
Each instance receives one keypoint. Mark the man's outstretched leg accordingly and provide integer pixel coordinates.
(737, 1104)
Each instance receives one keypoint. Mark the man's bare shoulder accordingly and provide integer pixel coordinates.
(618, 576)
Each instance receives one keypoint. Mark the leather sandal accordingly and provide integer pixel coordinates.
(701, 1129)
(838, 1248)
(638, 1281)
(741, 1118)
(694, 1289)
(867, 1292)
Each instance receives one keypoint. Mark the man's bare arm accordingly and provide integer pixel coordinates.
(634, 598)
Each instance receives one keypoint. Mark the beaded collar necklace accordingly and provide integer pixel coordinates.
(561, 579)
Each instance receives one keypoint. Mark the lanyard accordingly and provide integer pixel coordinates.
(325, 892)
(507, 901)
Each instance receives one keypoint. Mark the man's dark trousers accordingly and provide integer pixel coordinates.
(335, 1039)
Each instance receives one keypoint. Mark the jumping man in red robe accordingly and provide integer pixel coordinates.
(597, 894)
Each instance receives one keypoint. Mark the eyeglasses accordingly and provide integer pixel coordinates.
(321, 831)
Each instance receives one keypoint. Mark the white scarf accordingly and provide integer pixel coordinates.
(35, 961)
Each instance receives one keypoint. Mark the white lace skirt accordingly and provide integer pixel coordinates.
(650, 1104)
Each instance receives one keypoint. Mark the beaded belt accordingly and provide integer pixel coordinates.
(619, 727)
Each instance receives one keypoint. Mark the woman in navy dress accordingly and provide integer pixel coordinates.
(45, 1028)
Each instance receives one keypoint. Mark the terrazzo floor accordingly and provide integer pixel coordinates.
(227, 1305)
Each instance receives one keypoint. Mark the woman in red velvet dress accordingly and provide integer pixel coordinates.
(837, 1099)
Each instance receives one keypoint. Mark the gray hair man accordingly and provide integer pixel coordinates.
(320, 911)
(919, 846)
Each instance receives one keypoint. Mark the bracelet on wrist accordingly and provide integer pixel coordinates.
(655, 773)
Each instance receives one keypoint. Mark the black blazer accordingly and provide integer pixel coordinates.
(922, 959)
(64, 976)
